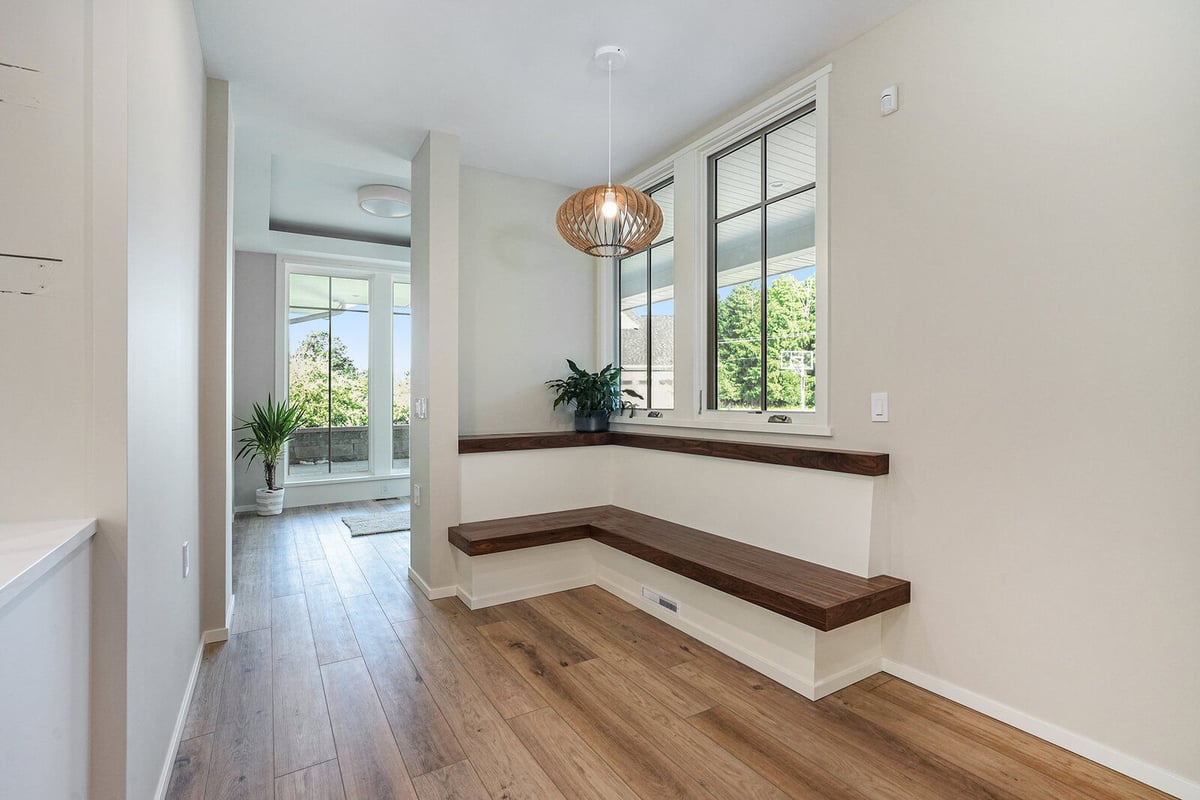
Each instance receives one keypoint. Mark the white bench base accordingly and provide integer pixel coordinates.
(811, 662)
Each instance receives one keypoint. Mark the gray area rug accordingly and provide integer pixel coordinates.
(384, 522)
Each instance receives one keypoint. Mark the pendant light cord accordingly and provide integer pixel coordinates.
(610, 121)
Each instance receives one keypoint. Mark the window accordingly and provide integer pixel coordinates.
(328, 374)
(738, 281)
(762, 275)
(401, 373)
(646, 313)
(336, 370)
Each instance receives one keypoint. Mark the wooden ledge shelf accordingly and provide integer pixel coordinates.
(818, 596)
(846, 461)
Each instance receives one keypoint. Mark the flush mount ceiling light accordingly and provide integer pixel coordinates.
(382, 200)
(609, 220)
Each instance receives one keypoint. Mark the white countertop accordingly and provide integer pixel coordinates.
(28, 550)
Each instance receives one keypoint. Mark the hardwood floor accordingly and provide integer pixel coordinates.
(342, 681)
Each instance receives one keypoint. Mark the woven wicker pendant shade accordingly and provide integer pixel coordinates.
(582, 223)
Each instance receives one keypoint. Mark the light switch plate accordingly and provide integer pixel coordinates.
(879, 407)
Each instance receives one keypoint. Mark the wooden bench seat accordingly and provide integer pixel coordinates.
(819, 596)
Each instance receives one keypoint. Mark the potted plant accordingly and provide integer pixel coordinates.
(595, 396)
(271, 427)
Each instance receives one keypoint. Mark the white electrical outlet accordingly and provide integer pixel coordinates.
(187, 560)
(416, 495)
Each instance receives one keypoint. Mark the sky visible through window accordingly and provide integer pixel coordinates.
(357, 341)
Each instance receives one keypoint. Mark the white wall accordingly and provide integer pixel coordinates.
(1014, 257)
(823, 517)
(254, 356)
(106, 174)
(108, 230)
(526, 303)
(216, 369)
(166, 157)
(435, 370)
(43, 367)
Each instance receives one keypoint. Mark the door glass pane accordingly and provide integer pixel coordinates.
(308, 388)
(739, 178)
(739, 312)
(349, 293)
(634, 324)
(401, 297)
(792, 156)
(348, 380)
(791, 304)
(662, 326)
(308, 291)
(401, 375)
(665, 197)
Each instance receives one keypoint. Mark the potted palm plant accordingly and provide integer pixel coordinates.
(270, 427)
(595, 396)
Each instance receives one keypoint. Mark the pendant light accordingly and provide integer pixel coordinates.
(609, 220)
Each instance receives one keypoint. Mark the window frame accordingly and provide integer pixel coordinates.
(381, 276)
(688, 168)
(662, 183)
(713, 220)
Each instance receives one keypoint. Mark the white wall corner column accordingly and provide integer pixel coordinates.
(216, 365)
(435, 332)
(107, 268)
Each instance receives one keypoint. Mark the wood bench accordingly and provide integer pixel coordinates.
(819, 596)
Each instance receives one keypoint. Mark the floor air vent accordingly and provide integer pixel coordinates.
(665, 602)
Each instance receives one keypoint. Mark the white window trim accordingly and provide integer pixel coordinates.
(688, 167)
(382, 275)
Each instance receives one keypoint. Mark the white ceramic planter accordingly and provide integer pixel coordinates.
(269, 502)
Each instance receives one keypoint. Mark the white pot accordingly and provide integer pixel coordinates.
(269, 502)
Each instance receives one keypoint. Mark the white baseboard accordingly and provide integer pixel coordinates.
(522, 593)
(848, 676)
(241, 509)
(1090, 749)
(215, 635)
(164, 779)
(429, 591)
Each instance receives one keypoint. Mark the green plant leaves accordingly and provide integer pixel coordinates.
(590, 392)
(270, 428)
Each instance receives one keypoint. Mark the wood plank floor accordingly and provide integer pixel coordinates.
(341, 680)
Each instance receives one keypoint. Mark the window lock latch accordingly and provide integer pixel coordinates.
(779, 418)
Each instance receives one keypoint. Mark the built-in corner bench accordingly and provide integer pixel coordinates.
(810, 593)
(840, 608)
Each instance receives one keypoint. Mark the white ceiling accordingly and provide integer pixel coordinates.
(322, 199)
(514, 79)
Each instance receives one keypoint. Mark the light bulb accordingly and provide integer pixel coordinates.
(609, 209)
